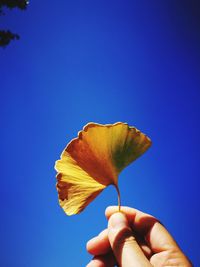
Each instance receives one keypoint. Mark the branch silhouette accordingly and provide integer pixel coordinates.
(6, 36)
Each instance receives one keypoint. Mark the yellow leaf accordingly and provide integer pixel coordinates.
(93, 160)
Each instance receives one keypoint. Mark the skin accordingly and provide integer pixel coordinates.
(134, 239)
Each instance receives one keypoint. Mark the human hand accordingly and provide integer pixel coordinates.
(134, 239)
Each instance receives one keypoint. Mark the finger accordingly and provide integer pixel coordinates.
(137, 219)
(143, 244)
(100, 244)
(103, 261)
(157, 237)
(124, 245)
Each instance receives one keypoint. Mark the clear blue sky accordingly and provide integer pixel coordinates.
(102, 61)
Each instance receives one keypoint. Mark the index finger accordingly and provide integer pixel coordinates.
(155, 234)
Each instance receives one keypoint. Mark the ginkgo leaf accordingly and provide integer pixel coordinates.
(93, 160)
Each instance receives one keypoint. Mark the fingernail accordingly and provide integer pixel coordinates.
(117, 220)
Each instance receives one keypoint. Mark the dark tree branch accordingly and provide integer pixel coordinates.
(21, 4)
(7, 36)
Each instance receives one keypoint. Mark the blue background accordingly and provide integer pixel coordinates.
(102, 61)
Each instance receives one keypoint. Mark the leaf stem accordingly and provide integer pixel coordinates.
(118, 195)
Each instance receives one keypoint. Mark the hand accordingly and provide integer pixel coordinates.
(134, 239)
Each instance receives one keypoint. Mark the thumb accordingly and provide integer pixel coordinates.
(123, 243)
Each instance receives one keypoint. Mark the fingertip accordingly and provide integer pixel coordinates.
(129, 212)
(99, 245)
(91, 244)
(117, 219)
(110, 210)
